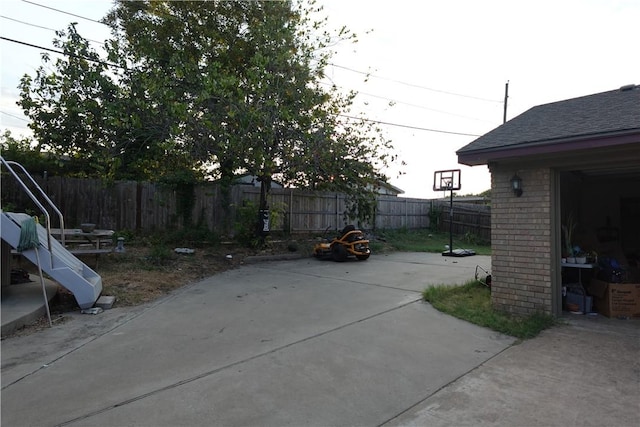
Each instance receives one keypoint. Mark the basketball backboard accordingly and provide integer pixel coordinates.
(446, 180)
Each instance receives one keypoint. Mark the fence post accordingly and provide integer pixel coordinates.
(375, 213)
(406, 214)
(337, 208)
(138, 206)
(291, 211)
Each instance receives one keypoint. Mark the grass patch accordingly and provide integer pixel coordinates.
(424, 240)
(472, 302)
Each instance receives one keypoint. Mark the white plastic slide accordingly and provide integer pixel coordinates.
(60, 264)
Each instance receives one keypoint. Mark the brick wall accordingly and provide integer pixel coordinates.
(521, 241)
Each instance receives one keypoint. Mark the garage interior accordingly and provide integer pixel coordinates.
(600, 211)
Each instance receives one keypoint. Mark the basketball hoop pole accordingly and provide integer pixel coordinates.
(451, 224)
(448, 180)
(443, 181)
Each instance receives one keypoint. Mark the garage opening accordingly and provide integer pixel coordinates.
(600, 235)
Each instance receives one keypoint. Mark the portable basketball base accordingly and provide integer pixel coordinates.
(449, 180)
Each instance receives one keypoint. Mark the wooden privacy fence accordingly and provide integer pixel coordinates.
(303, 211)
(144, 206)
(468, 219)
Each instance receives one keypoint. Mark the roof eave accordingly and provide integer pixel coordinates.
(556, 146)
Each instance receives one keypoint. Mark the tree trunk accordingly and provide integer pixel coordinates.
(226, 182)
(263, 226)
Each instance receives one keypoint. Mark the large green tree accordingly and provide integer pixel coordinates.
(98, 114)
(230, 86)
(70, 106)
(186, 57)
(242, 78)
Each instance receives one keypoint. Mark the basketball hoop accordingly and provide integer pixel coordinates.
(446, 180)
(449, 180)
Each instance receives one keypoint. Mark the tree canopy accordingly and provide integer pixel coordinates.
(215, 87)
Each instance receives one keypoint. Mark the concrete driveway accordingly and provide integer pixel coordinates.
(301, 342)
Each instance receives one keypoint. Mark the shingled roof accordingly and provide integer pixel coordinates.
(591, 117)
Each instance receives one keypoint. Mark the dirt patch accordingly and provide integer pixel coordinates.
(142, 274)
(139, 276)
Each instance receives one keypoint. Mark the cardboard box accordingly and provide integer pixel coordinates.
(615, 299)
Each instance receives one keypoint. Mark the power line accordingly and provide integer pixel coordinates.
(410, 104)
(26, 23)
(62, 11)
(338, 66)
(39, 26)
(15, 117)
(408, 126)
(334, 65)
(414, 85)
(341, 115)
(62, 53)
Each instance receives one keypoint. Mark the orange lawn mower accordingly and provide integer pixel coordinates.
(351, 243)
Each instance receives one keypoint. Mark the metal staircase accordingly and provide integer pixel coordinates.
(55, 260)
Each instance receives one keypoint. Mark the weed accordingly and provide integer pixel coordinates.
(434, 217)
(473, 239)
(9, 206)
(194, 236)
(377, 247)
(246, 224)
(159, 255)
(128, 235)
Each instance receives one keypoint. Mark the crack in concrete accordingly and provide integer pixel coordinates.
(229, 366)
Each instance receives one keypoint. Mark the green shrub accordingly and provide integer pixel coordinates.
(128, 235)
(194, 236)
(159, 255)
(246, 223)
(434, 217)
(473, 239)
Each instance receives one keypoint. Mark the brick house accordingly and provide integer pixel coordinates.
(578, 157)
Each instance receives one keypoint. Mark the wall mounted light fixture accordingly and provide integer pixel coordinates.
(516, 185)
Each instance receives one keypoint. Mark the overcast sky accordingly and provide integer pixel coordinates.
(438, 68)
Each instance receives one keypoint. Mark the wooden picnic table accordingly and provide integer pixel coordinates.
(76, 235)
(76, 242)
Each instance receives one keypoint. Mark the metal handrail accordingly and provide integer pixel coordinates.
(8, 164)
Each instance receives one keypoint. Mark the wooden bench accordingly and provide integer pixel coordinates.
(90, 251)
(80, 252)
(77, 252)
(76, 237)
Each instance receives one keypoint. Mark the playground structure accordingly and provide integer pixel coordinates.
(49, 255)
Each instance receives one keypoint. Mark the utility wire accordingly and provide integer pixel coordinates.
(340, 115)
(62, 11)
(409, 104)
(334, 65)
(414, 85)
(408, 126)
(338, 66)
(40, 26)
(26, 23)
(62, 53)
(15, 117)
